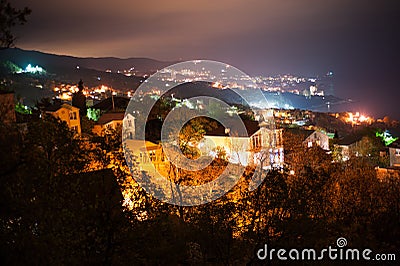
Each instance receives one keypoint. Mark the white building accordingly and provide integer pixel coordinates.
(317, 138)
(262, 144)
(129, 127)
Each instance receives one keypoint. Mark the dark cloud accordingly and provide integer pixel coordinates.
(356, 39)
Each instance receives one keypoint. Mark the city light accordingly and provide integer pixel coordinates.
(356, 118)
(34, 70)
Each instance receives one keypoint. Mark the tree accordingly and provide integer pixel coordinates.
(58, 202)
(10, 17)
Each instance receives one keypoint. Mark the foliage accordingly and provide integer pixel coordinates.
(10, 67)
(9, 18)
(386, 137)
(22, 109)
(61, 203)
(93, 114)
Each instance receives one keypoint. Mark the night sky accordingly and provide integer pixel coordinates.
(358, 40)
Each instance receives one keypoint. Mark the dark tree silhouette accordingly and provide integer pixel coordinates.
(10, 17)
(79, 100)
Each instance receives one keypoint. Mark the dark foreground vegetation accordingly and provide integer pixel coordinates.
(61, 204)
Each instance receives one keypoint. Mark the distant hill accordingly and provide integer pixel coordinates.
(59, 63)
(275, 100)
(61, 69)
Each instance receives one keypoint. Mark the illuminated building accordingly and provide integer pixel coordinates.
(68, 114)
(317, 138)
(129, 127)
(394, 153)
(32, 70)
(262, 144)
(108, 121)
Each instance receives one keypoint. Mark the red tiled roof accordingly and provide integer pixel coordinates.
(251, 127)
(108, 117)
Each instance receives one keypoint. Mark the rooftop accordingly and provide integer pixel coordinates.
(55, 107)
(108, 117)
(251, 127)
(107, 104)
(395, 144)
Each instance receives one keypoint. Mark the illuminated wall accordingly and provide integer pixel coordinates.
(70, 115)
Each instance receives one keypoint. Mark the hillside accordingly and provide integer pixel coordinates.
(108, 71)
(61, 63)
(61, 69)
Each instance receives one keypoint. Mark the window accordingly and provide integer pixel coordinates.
(152, 156)
(397, 152)
(256, 142)
(72, 116)
(75, 128)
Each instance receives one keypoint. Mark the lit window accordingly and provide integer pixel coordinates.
(397, 152)
(152, 156)
(72, 116)
(309, 144)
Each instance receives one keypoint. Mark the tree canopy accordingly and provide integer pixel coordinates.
(9, 18)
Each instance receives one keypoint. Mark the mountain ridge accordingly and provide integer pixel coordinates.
(142, 65)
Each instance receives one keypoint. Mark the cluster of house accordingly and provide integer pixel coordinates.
(109, 119)
(262, 145)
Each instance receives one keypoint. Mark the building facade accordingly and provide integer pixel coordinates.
(317, 138)
(67, 113)
(108, 121)
(394, 153)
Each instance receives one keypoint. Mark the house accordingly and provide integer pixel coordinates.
(147, 154)
(116, 121)
(317, 138)
(348, 146)
(310, 138)
(261, 145)
(112, 103)
(67, 113)
(359, 145)
(394, 154)
(129, 127)
(108, 121)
